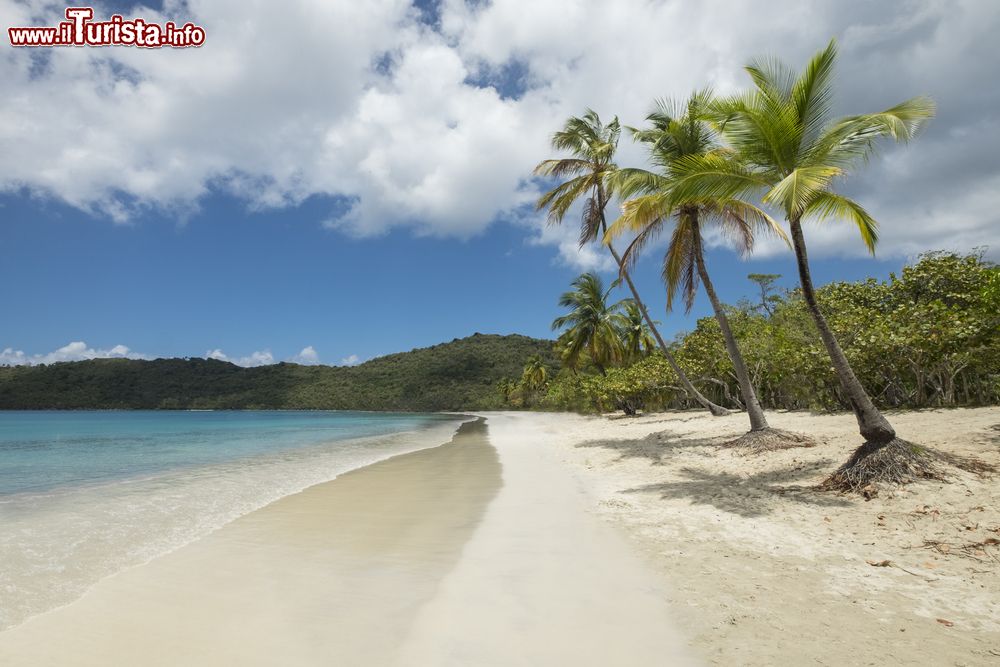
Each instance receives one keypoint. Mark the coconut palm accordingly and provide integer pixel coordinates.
(676, 131)
(637, 339)
(592, 326)
(535, 373)
(791, 151)
(592, 147)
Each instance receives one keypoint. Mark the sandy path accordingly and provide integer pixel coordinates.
(463, 554)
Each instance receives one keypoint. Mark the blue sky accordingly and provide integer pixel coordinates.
(243, 282)
(355, 179)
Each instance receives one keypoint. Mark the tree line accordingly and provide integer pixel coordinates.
(728, 162)
(926, 338)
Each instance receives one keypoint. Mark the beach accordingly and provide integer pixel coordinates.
(768, 571)
(481, 551)
(541, 539)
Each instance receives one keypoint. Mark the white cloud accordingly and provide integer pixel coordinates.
(307, 357)
(565, 238)
(79, 351)
(75, 351)
(285, 101)
(258, 358)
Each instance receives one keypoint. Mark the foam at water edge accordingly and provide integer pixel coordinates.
(56, 545)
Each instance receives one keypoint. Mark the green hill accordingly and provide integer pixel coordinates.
(460, 375)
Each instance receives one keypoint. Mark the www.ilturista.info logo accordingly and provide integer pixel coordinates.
(79, 30)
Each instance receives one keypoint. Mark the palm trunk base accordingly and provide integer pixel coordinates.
(894, 462)
(768, 439)
(717, 410)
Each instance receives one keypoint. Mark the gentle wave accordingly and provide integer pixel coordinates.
(57, 543)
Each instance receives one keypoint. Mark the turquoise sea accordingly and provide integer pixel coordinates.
(86, 494)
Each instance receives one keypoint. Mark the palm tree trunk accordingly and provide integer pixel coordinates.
(874, 427)
(757, 419)
(692, 391)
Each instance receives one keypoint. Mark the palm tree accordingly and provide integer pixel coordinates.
(791, 151)
(592, 326)
(636, 337)
(535, 373)
(678, 130)
(592, 146)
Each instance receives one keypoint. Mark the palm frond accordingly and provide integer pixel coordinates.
(590, 223)
(825, 205)
(713, 176)
(755, 220)
(629, 182)
(563, 167)
(797, 189)
(813, 92)
(560, 198)
(634, 249)
(680, 264)
(852, 139)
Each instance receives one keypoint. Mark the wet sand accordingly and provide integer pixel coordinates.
(480, 552)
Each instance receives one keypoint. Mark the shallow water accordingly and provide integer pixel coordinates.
(86, 494)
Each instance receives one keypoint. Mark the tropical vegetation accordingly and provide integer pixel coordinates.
(928, 337)
(785, 148)
(728, 162)
(678, 131)
(591, 171)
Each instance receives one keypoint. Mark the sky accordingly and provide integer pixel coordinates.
(326, 182)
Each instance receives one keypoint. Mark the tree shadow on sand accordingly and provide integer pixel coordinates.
(656, 447)
(747, 496)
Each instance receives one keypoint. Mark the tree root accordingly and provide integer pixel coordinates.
(895, 462)
(768, 440)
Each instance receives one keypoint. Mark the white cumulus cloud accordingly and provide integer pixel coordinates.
(401, 124)
(307, 357)
(258, 358)
(75, 351)
(350, 360)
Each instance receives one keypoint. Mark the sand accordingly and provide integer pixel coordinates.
(552, 539)
(483, 551)
(767, 571)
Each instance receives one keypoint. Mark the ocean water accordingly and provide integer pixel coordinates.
(86, 494)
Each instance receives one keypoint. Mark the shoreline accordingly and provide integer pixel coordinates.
(439, 556)
(589, 540)
(132, 616)
(84, 558)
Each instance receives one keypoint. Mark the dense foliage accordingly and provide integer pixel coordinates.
(928, 337)
(460, 375)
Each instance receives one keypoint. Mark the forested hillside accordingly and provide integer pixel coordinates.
(460, 375)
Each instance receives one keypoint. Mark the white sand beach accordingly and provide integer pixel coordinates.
(550, 539)
(766, 571)
(481, 551)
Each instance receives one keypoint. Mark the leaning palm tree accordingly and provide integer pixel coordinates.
(592, 146)
(676, 131)
(592, 326)
(791, 151)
